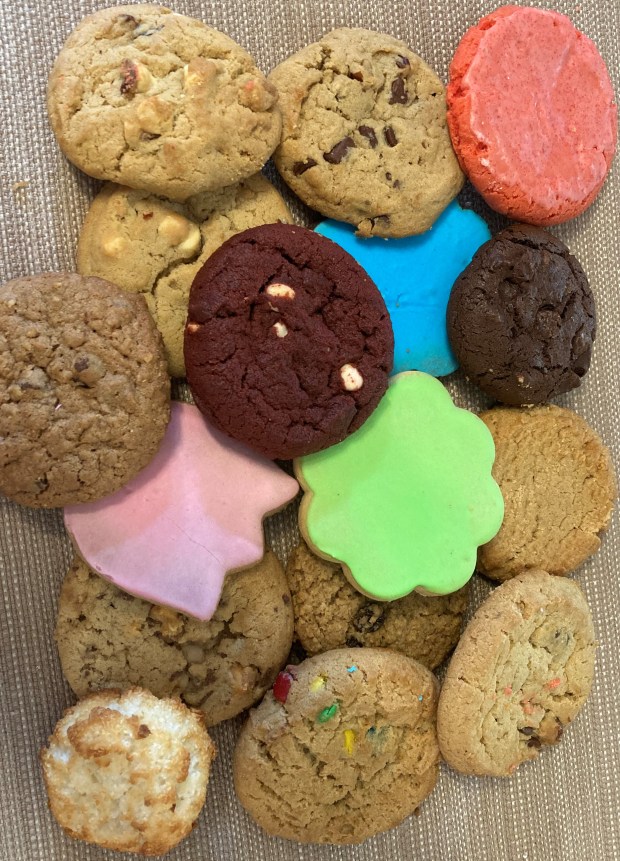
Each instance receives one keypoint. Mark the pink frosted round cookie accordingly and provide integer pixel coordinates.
(531, 114)
(194, 514)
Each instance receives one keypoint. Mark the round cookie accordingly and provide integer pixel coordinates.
(151, 99)
(364, 135)
(84, 393)
(415, 275)
(559, 489)
(288, 343)
(532, 114)
(150, 245)
(521, 672)
(109, 639)
(128, 771)
(330, 613)
(521, 318)
(344, 747)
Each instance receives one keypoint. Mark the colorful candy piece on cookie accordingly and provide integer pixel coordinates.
(531, 114)
(171, 535)
(415, 275)
(405, 502)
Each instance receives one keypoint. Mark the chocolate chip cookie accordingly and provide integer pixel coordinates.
(330, 613)
(151, 99)
(109, 639)
(150, 245)
(521, 672)
(288, 343)
(521, 317)
(84, 393)
(344, 747)
(365, 138)
(559, 488)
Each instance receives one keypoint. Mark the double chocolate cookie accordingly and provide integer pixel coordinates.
(521, 317)
(288, 343)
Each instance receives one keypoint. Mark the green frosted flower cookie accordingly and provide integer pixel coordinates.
(405, 501)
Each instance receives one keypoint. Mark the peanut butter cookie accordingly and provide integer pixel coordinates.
(365, 137)
(344, 747)
(558, 484)
(150, 245)
(109, 639)
(154, 100)
(520, 673)
(84, 393)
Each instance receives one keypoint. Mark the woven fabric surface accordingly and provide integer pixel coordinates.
(563, 806)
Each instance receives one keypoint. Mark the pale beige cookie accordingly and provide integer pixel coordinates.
(150, 245)
(84, 393)
(364, 137)
(151, 99)
(109, 639)
(330, 613)
(520, 673)
(558, 484)
(128, 771)
(344, 747)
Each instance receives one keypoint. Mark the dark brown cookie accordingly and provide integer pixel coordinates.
(84, 393)
(521, 317)
(288, 343)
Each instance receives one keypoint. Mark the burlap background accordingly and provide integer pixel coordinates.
(565, 805)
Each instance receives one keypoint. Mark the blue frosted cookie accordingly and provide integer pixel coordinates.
(415, 276)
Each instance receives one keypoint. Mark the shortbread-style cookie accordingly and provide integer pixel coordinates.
(344, 747)
(559, 490)
(109, 639)
(365, 138)
(521, 672)
(148, 98)
(84, 393)
(128, 771)
(330, 613)
(521, 317)
(288, 343)
(150, 245)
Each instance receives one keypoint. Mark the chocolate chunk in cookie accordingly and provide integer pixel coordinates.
(521, 317)
(288, 343)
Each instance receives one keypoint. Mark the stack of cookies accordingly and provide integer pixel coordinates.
(323, 348)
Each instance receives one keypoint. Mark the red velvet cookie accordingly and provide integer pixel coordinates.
(531, 113)
(288, 343)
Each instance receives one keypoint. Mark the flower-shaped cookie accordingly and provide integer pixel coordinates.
(405, 501)
(194, 514)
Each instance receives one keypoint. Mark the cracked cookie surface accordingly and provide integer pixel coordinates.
(109, 639)
(521, 317)
(150, 245)
(365, 137)
(84, 400)
(128, 771)
(155, 100)
(344, 747)
(522, 671)
(559, 489)
(288, 343)
(330, 613)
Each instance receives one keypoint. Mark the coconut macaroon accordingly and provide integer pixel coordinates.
(128, 771)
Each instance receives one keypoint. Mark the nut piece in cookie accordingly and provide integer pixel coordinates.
(84, 393)
(344, 747)
(521, 317)
(365, 138)
(128, 771)
(288, 343)
(558, 481)
(521, 672)
(109, 639)
(330, 613)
